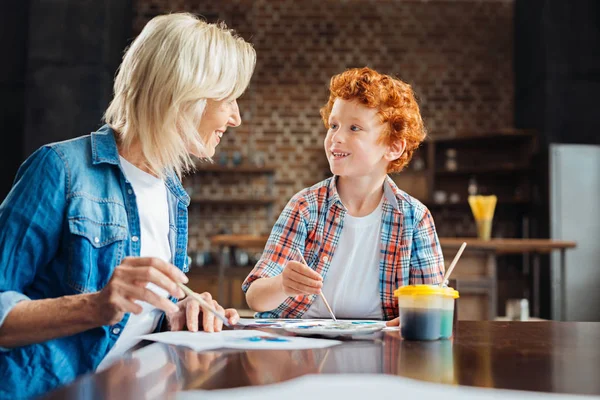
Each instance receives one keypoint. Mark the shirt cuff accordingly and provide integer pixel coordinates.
(263, 269)
(7, 301)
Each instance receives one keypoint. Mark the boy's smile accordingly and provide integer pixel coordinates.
(338, 155)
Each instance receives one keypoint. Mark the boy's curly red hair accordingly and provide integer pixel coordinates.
(395, 100)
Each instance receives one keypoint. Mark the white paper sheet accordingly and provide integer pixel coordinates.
(239, 339)
(366, 386)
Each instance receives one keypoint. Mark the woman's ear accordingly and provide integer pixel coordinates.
(395, 150)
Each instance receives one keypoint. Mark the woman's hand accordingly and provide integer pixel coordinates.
(190, 315)
(298, 279)
(128, 284)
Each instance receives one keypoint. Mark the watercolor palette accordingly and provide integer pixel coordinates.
(335, 328)
(268, 322)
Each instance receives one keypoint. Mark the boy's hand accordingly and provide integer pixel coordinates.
(299, 279)
(393, 322)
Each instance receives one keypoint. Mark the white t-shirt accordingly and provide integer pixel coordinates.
(153, 209)
(351, 285)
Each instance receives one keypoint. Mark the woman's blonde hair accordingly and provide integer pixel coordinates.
(176, 63)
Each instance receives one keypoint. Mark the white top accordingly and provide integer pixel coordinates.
(351, 285)
(153, 209)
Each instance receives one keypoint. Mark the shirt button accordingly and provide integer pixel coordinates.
(337, 220)
(96, 239)
(135, 238)
(116, 331)
(129, 191)
(325, 259)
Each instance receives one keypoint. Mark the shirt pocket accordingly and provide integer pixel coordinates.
(98, 233)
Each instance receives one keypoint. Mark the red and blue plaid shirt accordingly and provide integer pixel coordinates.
(313, 220)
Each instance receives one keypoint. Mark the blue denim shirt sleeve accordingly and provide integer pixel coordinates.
(31, 219)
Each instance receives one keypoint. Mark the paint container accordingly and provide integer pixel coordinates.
(426, 311)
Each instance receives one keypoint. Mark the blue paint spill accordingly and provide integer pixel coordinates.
(264, 339)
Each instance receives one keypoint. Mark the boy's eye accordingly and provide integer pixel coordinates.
(332, 126)
(354, 128)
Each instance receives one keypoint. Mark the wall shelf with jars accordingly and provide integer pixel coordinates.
(235, 184)
(446, 170)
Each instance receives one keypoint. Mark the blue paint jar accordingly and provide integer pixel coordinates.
(426, 311)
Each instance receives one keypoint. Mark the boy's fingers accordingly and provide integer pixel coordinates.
(304, 270)
(302, 289)
(304, 280)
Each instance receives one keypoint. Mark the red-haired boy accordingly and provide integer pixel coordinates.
(361, 236)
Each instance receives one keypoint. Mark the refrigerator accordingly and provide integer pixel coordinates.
(575, 215)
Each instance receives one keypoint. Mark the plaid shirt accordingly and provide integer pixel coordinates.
(313, 220)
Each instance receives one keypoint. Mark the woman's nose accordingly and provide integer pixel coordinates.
(235, 119)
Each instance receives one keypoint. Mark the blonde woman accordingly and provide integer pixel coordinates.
(93, 235)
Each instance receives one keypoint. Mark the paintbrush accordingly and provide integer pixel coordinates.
(453, 264)
(320, 292)
(204, 303)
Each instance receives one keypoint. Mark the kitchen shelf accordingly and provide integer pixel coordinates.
(460, 204)
(488, 169)
(243, 241)
(499, 134)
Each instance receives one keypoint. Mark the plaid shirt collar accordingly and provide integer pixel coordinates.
(391, 192)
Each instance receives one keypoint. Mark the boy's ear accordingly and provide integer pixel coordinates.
(395, 150)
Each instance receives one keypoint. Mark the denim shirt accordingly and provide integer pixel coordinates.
(68, 221)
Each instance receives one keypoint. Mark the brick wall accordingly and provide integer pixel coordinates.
(457, 55)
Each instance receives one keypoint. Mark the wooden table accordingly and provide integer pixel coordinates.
(561, 357)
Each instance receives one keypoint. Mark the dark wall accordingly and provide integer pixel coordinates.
(75, 47)
(557, 86)
(62, 55)
(572, 30)
(557, 69)
(13, 41)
